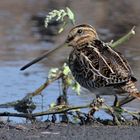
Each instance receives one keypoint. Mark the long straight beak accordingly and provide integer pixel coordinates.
(42, 57)
(35, 61)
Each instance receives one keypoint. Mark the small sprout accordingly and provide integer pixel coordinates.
(59, 15)
(53, 73)
(76, 87)
(67, 73)
(70, 15)
(62, 28)
(66, 69)
(133, 30)
(52, 105)
(70, 80)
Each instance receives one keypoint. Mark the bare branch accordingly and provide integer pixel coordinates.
(124, 38)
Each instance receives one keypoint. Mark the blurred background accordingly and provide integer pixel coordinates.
(23, 37)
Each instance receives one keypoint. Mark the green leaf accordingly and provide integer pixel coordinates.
(59, 15)
(70, 15)
(62, 28)
(69, 81)
(53, 72)
(77, 88)
(66, 70)
(52, 105)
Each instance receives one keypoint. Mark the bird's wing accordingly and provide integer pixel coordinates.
(106, 63)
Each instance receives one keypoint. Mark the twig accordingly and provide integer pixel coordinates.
(124, 38)
(22, 115)
(9, 104)
(58, 110)
(55, 110)
(43, 86)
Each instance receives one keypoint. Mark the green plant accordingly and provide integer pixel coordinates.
(62, 15)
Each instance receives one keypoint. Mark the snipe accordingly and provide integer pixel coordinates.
(96, 66)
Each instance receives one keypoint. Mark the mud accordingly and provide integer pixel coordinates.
(44, 131)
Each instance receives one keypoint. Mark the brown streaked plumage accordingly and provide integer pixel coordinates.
(96, 66)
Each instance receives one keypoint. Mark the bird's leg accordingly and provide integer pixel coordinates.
(123, 101)
(116, 108)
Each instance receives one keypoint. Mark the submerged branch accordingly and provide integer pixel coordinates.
(62, 109)
(56, 110)
(22, 115)
(49, 112)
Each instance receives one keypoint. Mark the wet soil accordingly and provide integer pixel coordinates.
(44, 131)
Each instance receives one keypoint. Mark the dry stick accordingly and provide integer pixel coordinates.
(57, 110)
(49, 112)
(111, 110)
(60, 110)
(124, 38)
(23, 115)
(43, 86)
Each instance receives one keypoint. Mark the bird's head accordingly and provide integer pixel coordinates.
(80, 35)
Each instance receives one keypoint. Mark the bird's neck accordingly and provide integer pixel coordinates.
(82, 46)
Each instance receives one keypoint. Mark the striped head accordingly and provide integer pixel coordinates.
(80, 35)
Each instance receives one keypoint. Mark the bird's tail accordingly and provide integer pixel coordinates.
(134, 93)
(131, 88)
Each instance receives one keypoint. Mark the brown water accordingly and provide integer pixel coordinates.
(18, 46)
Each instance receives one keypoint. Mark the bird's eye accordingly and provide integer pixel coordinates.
(79, 31)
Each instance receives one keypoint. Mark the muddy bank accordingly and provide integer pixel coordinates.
(43, 131)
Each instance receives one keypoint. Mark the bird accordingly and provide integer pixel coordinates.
(98, 67)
